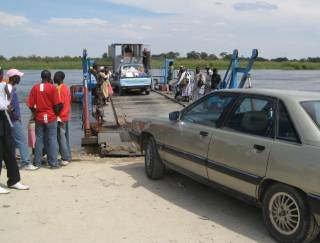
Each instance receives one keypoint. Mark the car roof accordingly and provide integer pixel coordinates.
(277, 93)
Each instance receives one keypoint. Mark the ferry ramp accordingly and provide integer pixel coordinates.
(113, 133)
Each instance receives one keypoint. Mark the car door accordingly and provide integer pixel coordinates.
(239, 151)
(187, 140)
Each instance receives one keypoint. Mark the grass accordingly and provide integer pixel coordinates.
(223, 64)
(157, 63)
(36, 65)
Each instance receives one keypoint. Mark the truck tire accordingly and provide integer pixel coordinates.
(121, 91)
(154, 167)
(287, 216)
(147, 92)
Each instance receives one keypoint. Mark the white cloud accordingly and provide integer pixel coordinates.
(126, 26)
(253, 6)
(220, 23)
(196, 21)
(207, 25)
(12, 20)
(78, 22)
(146, 27)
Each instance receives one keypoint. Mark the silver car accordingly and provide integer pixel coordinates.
(259, 145)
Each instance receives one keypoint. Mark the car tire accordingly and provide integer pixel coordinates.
(147, 92)
(154, 167)
(287, 216)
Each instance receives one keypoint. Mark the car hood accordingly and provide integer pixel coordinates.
(140, 124)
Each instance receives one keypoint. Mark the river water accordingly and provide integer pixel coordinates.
(274, 79)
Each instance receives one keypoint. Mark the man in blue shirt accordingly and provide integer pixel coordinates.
(7, 152)
(18, 134)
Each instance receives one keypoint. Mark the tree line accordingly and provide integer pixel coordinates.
(194, 55)
(39, 58)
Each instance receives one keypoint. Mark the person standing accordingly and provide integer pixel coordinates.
(146, 60)
(199, 84)
(170, 76)
(63, 118)
(104, 84)
(208, 80)
(20, 140)
(181, 82)
(7, 146)
(45, 103)
(215, 79)
(101, 93)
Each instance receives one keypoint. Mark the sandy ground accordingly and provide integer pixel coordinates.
(111, 200)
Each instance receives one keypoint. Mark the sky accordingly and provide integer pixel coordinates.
(277, 28)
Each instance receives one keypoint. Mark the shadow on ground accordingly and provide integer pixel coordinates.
(207, 203)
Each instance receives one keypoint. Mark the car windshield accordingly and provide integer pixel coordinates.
(132, 71)
(313, 110)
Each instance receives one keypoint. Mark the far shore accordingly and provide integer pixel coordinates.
(157, 63)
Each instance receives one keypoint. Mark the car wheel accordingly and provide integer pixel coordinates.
(154, 167)
(147, 92)
(287, 216)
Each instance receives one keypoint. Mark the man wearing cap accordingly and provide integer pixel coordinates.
(14, 76)
(45, 103)
(7, 146)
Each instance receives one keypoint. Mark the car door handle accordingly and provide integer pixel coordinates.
(204, 134)
(259, 147)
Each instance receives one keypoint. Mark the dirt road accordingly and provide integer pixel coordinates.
(111, 200)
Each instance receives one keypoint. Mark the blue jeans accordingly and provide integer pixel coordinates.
(46, 132)
(63, 141)
(21, 143)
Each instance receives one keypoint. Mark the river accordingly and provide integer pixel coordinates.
(274, 79)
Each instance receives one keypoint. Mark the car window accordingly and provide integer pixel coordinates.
(286, 130)
(253, 116)
(208, 111)
(313, 110)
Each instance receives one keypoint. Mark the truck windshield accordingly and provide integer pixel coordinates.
(132, 71)
(313, 110)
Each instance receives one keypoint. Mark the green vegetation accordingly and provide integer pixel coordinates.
(222, 64)
(193, 60)
(32, 65)
(34, 62)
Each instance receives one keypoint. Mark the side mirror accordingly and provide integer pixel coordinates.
(174, 116)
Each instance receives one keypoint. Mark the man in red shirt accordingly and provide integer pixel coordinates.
(63, 118)
(45, 103)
